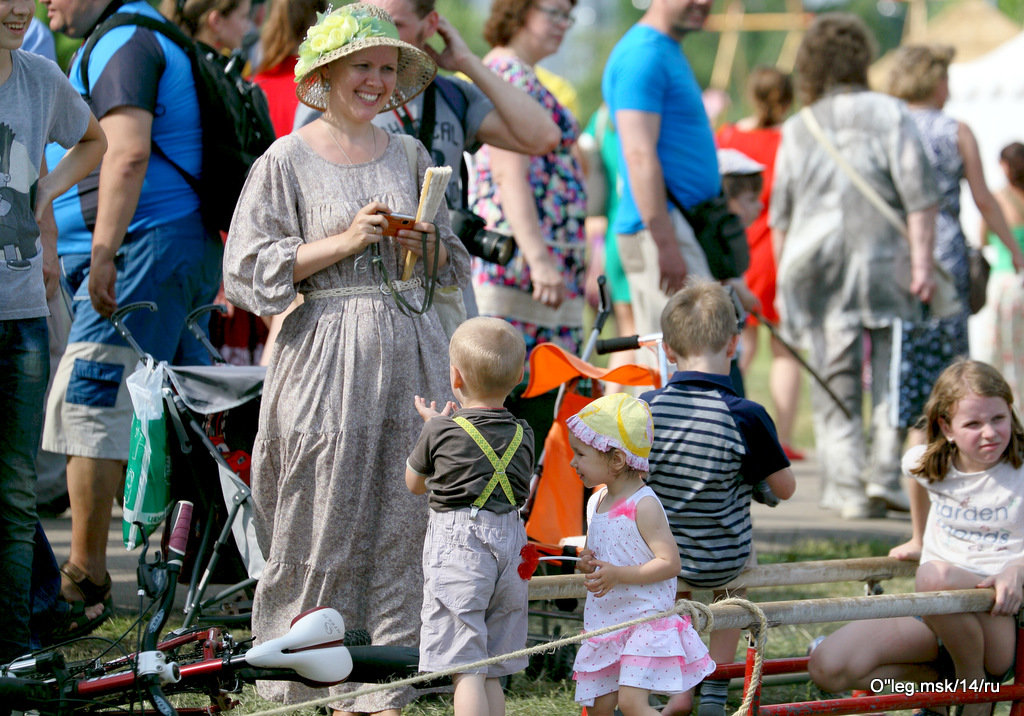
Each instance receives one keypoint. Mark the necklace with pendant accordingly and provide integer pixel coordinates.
(330, 133)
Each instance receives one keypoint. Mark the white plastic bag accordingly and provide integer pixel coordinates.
(146, 487)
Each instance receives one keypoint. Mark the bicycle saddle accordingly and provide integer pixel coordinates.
(312, 648)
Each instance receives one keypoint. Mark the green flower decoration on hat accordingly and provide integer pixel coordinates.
(336, 28)
(346, 30)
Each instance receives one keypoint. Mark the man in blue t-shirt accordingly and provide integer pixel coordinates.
(129, 232)
(666, 142)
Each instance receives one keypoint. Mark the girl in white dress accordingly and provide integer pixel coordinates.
(631, 562)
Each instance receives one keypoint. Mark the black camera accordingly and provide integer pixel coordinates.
(492, 246)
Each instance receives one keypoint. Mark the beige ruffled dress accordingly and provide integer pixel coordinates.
(337, 422)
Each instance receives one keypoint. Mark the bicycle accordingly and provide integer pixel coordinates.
(316, 651)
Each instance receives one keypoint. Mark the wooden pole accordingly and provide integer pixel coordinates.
(839, 609)
(758, 22)
(866, 569)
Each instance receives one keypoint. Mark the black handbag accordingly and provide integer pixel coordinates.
(720, 234)
(978, 272)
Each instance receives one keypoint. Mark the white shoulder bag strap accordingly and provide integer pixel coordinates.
(944, 302)
(858, 181)
(409, 144)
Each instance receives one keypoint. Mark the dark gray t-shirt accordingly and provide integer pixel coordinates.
(457, 470)
(37, 105)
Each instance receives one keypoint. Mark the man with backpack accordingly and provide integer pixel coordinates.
(132, 231)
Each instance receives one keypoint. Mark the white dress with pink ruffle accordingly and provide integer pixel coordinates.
(664, 656)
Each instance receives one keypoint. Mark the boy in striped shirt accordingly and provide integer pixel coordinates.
(711, 450)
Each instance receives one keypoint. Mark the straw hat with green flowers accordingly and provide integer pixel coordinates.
(350, 28)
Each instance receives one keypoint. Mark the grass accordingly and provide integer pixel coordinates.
(538, 694)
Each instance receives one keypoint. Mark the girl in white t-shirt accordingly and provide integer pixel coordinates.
(967, 507)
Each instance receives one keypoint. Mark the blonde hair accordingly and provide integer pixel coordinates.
(489, 353)
(917, 71)
(699, 318)
(963, 377)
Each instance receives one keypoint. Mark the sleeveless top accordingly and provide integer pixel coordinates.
(939, 134)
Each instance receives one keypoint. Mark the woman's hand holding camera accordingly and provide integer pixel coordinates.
(367, 228)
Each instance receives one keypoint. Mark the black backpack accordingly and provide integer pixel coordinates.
(233, 113)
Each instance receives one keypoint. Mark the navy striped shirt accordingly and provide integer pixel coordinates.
(710, 448)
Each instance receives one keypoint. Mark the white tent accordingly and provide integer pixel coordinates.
(988, 95)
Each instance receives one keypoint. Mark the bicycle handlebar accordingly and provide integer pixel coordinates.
(179, 533)
(626, 343)
(612, 345)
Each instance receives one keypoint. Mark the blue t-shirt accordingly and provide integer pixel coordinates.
(710, 448)
(134, 67)
(647, 71)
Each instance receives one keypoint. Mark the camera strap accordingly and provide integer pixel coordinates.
(428, 121)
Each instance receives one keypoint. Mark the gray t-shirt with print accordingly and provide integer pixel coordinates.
(37, 105)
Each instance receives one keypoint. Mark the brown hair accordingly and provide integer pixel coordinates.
(836, 50)
(963, 377)
(771, 93)
(190, 15)
(284, 28)
(422, 8)
(1013, 156)
(506, 19)
(917, 71)
(699, 317)
(490, 354)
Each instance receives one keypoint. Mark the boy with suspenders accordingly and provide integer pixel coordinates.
(475, 461)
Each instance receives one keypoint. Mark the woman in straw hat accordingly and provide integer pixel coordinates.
(333, 516)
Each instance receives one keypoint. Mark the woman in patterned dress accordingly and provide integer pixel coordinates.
(539, 200)
(333, 516)
(920, 77)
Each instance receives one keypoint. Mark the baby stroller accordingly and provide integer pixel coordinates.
(212, 414)
(555, 509)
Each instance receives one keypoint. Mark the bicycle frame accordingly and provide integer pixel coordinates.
(313, 652)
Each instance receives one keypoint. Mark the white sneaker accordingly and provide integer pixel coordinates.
(894, 499)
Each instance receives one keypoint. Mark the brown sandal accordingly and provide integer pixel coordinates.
(75, 622)
(73, 578)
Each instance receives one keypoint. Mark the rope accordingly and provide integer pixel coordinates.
(759, 635)
(698, 613)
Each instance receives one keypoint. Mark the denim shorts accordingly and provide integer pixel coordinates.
(177, 266)
(474, 601)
